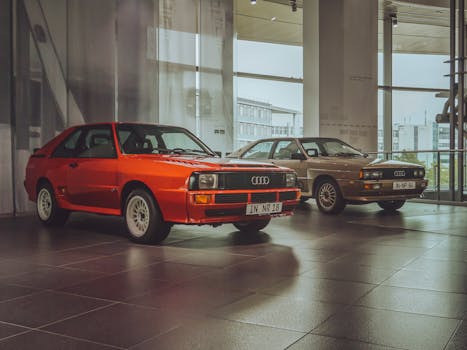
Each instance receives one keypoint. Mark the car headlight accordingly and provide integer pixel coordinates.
(371, 174)
(208, 181)
(419, 173)
(290, 180)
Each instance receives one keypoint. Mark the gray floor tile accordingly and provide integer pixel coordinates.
(286, 313)
(390, 328)
(442, 304)
(214, 334)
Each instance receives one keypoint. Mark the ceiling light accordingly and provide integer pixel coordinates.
(253, 2)
(273, 19)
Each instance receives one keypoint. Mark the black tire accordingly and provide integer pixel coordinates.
(48, 211)
(251, 226)
(391, 205)
(143, 218)
(329, 197)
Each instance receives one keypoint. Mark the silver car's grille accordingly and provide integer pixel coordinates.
(399, 173)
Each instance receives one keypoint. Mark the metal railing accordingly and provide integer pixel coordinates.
(439, 165)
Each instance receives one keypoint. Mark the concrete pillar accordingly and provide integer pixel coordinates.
(340, 45)
(6, 108)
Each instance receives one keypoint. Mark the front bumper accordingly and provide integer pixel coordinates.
(380, 190)
(230, 206)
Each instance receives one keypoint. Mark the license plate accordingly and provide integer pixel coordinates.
(263, 208)
(403, 185)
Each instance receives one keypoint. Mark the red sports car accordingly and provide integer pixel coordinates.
(155, 176)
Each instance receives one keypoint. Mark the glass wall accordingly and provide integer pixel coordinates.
(269, 72)
(419, 91)
(84, 61)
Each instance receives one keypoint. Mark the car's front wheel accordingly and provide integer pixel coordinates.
(143, 218)
(329, 197)
(251, 226)
(391, 205)
(49, 212)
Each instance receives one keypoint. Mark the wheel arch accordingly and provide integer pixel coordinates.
(42, 181)
(132, 185)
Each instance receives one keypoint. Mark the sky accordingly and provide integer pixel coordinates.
(409, 70)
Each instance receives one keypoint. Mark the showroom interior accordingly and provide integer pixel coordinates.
(385, 76)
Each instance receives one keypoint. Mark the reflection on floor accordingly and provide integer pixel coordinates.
(361, 280)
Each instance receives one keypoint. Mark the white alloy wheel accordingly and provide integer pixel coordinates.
(138, 216)
(44, 204)
(327, 195)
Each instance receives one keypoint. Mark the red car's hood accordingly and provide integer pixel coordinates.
(206, 161)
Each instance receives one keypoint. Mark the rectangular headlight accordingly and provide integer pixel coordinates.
(290, 180)
(208, 181)
(371, 174)
(419, 173)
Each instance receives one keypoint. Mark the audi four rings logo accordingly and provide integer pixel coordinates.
(399, 173)
(260, 180)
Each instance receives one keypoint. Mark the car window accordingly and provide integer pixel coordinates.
(67, 149)
(97, 143)
(311, 145)
(174, 140)
(285, 149)
(153, 139)
(259, 151)
(337, 148)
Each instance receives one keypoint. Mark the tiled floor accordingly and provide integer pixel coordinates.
(362, 280)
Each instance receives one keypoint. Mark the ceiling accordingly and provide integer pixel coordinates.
(269, 21)
(423, 25)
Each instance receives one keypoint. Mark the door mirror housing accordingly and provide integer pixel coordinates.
(312, 152)
(297, 156)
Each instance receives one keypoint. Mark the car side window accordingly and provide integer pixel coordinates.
(68, 148)
(97, 143)
(285, 149)
(259, 151)
(312, 145)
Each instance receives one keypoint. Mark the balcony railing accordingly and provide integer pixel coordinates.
(439, 165)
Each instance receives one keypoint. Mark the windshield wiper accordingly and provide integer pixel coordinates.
(347, 154)
(187, 151)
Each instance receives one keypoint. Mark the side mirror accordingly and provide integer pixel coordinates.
(312, 152)
(297, 156)
(35, 150)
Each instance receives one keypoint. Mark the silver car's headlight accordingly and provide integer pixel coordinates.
(290, 180)
(208, 181)
(419, 173)
(371, 174)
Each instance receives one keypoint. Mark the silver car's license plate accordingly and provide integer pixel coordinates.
(403, 185)
(263, 208)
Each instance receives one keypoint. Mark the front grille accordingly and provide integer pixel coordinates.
(231, 198)
(251, 180)
(287, 196)
(401, 173)
(263, 197)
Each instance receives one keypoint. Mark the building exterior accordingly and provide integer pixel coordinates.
(256, 120)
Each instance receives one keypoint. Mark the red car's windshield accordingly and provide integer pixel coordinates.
(153, 139)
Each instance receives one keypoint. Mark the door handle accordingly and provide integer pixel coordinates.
(73, 165)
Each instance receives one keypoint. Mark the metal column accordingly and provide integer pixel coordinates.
(387, 98)
(452, 115)
(460, 100)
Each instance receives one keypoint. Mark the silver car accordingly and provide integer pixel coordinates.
(336, 174)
